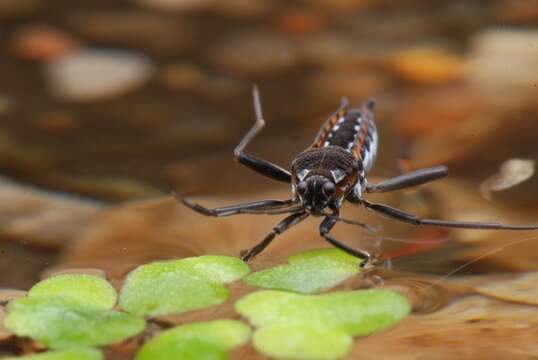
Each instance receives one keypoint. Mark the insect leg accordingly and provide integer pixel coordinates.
(282, 226)
(403, 216)
(409, 179)
(255, 207)
(325, 227)
(261, 166)
(370, 229)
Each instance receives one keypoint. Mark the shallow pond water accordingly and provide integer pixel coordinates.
(107, 108)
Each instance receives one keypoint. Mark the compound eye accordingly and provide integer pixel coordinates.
(329, 188)
(301, 187)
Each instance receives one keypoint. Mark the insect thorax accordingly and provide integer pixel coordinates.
(333, 162)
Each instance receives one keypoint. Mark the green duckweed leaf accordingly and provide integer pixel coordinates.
(308, 317)
(358, 312)
(225, 269)
(88, 290)
(69, 354)
(333, 254)
(62, 322)
(173, 287)
(210, 340)
(301, 342)
(308, 272)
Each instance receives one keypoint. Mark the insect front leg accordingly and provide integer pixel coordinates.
(261, 166)
(409, 179)
(282, 226)
(255, 207)
(324, 229)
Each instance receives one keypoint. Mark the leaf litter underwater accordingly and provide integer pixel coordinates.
(460, 308)
(472, 293)
(473, 304)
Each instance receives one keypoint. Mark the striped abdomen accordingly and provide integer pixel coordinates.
(354, 131)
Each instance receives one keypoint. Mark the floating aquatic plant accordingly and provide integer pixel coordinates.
(71, 310)
(88, 290)
(173, 287)
(308, 272)
(209, 340)
(300, 326)
(302, 342)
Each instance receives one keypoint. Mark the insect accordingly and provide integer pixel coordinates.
(333, 170)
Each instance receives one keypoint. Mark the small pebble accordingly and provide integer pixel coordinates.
(41, 43)
(503, 65)
(427, 65)
(91, 75)
(511, 173)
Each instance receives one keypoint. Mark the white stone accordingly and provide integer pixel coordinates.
(92, 74)
(503, 64)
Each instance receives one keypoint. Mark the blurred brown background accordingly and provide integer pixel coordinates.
(127, 99)
(108, 106)
(106, 101)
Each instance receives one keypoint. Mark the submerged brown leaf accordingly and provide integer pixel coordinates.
(5, 334)
(39, 217)
(519, 288)
(473, 327)
(9, 294)
(126, 236)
